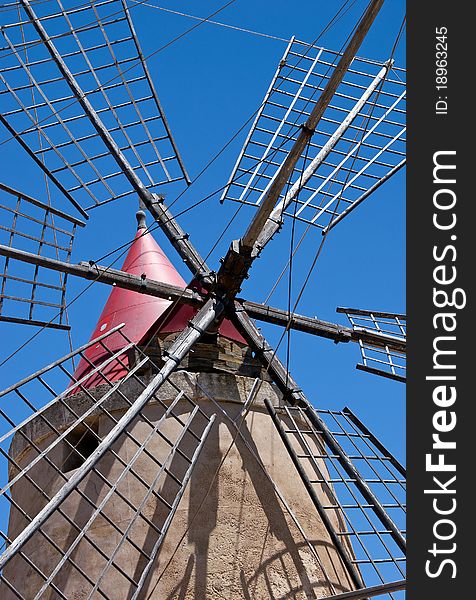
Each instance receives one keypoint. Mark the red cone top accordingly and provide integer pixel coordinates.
(138, 311)
(141, 314)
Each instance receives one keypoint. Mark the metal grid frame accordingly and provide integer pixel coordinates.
(358, 146)
(30, 294)
(158, 457)
(354, 481)
(96, 45)
(340, 457)
(387, 360)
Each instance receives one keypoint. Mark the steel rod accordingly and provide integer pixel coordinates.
(35, 323)
(368, 313)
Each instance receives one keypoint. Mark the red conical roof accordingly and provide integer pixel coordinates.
(138, 311)
(141, 314)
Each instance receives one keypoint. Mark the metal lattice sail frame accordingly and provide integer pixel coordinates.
(364, 485)
(360, 143)
(30, 293)
(153, 456)
(217, 300)
(79, 98)
(387, 356)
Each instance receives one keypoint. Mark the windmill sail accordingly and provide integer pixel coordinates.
(384, 353)
(28, 293)
(363, 485)
(359, 143)
(77, 95)
(46, 439)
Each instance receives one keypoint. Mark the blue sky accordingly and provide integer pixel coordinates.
(210, 82)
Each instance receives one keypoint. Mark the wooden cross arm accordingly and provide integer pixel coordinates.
(254, 310)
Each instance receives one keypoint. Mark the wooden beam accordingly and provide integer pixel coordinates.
(274, 221)
(108, 276)
(370, 592)
(295, 396)
(335, 538)
(314, 326)
(179, 348)
(270, 361)
(284, 173)
(42, 205)
(311, 325)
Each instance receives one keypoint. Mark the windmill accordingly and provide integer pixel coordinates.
(180, 444)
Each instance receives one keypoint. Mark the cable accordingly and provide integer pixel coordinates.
(291, 245)
(340, 13)
(335, 18)
(124, 248)
(238, 432)
(397, 40)
(399, 35)
(59, 35)
(226, 25)
(343, 9)
(150, 229)
(62, 276)
(117, 258)
(288, 135)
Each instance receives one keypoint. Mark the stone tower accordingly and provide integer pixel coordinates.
(237, 531)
